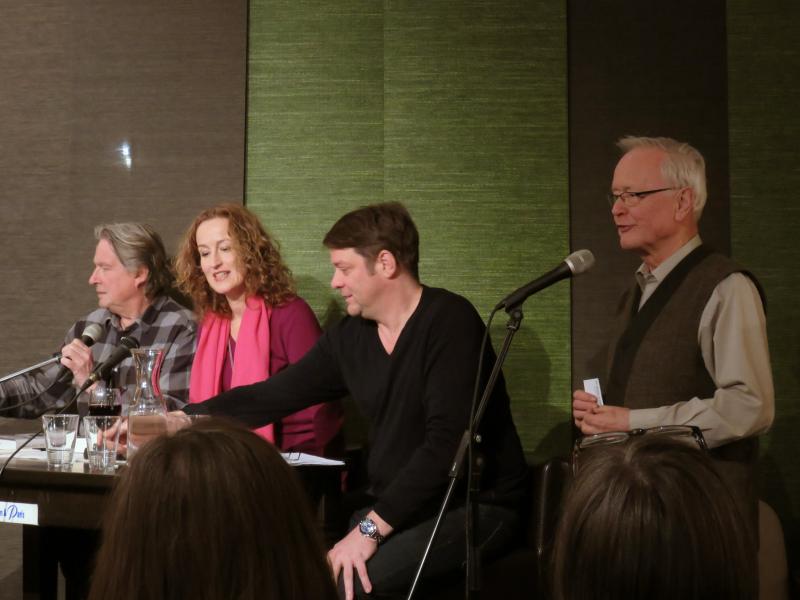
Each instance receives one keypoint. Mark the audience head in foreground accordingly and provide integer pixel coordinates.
(210, 512)
(651, 518)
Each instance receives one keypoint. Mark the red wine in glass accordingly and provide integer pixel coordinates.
(103, 410)
(103, 403)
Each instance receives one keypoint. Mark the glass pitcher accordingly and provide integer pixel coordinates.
(147, 413)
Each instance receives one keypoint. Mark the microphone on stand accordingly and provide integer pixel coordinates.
(103, 370)
(576, 263)
(90, 335)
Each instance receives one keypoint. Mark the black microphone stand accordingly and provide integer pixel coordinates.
(465, 448)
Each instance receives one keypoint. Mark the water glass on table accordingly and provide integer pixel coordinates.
(102, 436)
(60, 433)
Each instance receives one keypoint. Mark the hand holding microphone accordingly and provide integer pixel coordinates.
(76, 358)
(103, 370)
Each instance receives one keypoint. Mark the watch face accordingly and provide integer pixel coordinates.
(368, 527)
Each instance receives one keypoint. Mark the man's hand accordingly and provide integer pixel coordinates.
(177, 419)
(606, 418)
(122, 441)
(77, 357)
(582, 404)
(352, 552)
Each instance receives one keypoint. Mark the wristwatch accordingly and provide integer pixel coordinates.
(369, 529)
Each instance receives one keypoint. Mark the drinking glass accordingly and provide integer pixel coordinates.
(102, 435)
(60, 433)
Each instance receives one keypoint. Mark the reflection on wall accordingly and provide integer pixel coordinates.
(110, 111)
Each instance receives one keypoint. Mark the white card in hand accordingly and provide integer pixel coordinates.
(592, 386)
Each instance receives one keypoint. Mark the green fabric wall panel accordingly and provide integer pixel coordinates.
(475, 144)
(315, 124)
(456, 109)
(763, 71)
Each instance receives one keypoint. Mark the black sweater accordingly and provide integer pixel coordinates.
(417, 401)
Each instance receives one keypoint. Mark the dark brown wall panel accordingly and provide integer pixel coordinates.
(638, 68)
(82, 81)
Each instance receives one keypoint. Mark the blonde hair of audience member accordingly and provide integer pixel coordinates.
(210, 512)
(651, 519)
(265, 273)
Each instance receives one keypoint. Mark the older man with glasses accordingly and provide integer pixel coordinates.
(690, 345)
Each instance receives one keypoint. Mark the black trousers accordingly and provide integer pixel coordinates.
(391, 569)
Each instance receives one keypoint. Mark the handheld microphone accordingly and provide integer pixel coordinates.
(90, 335)
(576, 263)
(103, 370)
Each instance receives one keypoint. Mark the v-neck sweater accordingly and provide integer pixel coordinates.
(417, 400)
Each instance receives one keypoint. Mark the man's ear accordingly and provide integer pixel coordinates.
(140, 279)
(386, 264)
(685, 206)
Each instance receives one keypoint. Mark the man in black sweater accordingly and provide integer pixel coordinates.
(407, 354)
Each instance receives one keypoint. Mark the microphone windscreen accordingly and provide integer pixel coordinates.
(580, 261)
(92, 333)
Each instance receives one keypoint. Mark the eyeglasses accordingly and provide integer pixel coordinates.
(687, 433)
(631, 199)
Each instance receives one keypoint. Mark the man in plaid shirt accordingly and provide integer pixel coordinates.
(131, 277)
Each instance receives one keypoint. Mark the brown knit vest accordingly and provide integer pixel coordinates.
(657, 359)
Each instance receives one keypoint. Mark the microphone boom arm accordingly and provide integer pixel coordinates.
(38, 365)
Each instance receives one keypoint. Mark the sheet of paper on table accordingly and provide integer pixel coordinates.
(35, 449)
(300, 459)
(36, 452)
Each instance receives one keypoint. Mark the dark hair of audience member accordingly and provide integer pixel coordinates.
(211, 512)
(651, 519)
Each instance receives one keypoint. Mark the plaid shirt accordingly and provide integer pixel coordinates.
(165, 324)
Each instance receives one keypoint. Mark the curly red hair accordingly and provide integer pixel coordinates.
(258, 257)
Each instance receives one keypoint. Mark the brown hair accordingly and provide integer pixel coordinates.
(258, 255)
(651, 519)
(370, 229)
(211, 512)
(138, 245)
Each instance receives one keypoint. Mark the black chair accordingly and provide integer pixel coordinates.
(523, 573)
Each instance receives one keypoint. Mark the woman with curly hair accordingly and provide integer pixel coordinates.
(253, 324)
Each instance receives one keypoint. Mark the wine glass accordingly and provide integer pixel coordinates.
(104, 402)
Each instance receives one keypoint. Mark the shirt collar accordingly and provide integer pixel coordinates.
(644, 275)
(147, 318)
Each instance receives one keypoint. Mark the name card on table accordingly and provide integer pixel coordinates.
(19, 512)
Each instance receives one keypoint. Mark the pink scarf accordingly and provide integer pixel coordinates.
(250, 361)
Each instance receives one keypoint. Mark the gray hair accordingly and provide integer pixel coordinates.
(138, 245)
(683, 166)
